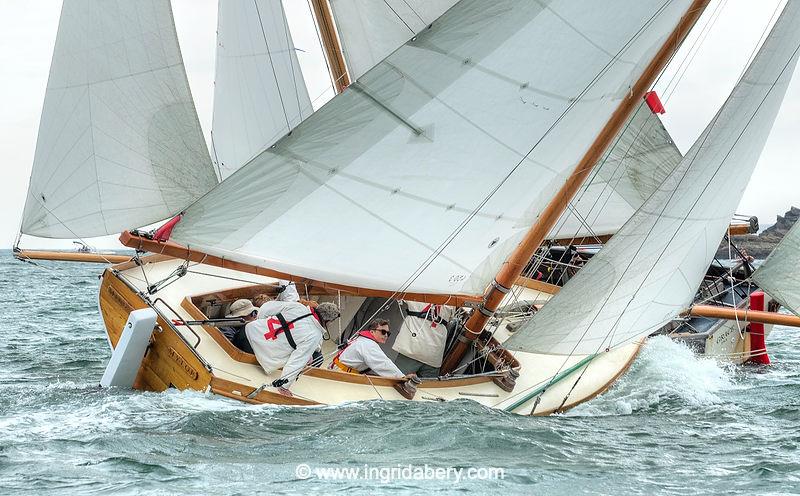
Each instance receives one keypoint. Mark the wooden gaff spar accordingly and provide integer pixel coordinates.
(174, 250)
(515, 264)
(331, 45)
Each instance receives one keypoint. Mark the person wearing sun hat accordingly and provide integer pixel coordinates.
(240, 308)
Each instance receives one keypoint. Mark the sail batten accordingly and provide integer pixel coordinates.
(259, 91)
(119, 142)
(650, 270)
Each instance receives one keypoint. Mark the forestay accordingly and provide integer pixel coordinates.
(650, 270)
(119, 141)
(638, 161)
(259, 91)
(780, 272)
(370, 30)
(424, 174)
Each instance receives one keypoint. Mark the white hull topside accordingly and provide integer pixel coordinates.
(535, 370)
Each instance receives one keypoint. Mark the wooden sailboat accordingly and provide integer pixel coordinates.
(344, 203)
(777, 277)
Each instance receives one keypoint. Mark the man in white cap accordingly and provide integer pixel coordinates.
(285, 334)
(241, 308)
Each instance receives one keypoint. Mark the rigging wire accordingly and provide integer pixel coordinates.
(451, 237)
(684, 219)
(272, 63)
(414, 12)
(683, 176)
(694, 49)
(460, 227)
(400, 17)
(291, 55)
(598, 167)
(67, 228)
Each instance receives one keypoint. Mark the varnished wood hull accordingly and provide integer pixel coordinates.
(195, 360)
(168, 361)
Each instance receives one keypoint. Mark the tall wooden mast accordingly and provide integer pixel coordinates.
(330, 44)
(515, 264)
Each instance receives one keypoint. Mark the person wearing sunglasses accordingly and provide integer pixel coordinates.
(363, 353)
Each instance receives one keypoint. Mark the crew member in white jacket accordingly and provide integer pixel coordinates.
(285, 334)
(363, 353)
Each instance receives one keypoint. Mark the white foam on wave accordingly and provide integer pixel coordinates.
(93, 411)
(664, 371)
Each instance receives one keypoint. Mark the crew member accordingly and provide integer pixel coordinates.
(363, 353)
(285, 334)
(239, 308)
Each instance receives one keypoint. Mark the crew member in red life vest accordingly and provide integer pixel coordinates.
(363, 353)
(285, 334)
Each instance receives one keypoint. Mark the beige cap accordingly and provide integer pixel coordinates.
(240, 308)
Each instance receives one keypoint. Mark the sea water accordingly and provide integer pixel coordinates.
(675, 424)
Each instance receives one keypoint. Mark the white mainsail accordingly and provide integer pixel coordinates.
(424, 174)
(780, 272)
(370, 30)
(119, 141)
(640, 158)
(259, 91)
(637, 162)
(650, 270)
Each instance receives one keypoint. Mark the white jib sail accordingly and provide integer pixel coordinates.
(259, 91)
(636, 163)
(779, 275)
(424, 175)
(650, 270)
(119, 141)
(370, 30)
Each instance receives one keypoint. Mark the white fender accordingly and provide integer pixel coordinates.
(127, 356)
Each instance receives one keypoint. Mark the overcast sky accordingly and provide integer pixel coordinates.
(28, 31)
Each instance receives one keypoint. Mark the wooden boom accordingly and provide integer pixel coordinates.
(736, 229)
(67, 256)
(180, 252)
(515, 264)
(743, 314)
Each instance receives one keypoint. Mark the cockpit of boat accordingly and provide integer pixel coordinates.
(356, 313)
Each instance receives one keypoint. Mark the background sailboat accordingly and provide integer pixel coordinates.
(780, 273)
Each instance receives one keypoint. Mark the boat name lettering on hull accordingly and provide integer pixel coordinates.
(185, 366)
(120, 299)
